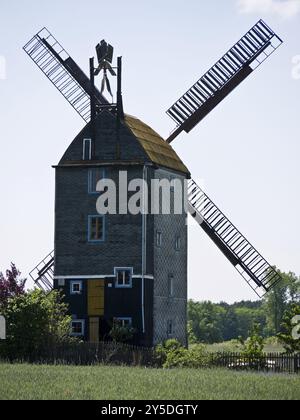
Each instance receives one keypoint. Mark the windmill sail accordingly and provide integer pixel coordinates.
(233, 68)
(42, 274)
(63, 72)
(258, 273)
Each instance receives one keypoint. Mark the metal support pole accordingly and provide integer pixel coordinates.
(93, 106)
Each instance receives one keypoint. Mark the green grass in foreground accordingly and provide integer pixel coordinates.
(123, 383)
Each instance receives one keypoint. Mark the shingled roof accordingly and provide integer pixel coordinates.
(138, 144)
(157, 149)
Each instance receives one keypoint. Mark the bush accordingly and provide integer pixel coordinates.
(120, 333)
(172, 354)
(35, 322)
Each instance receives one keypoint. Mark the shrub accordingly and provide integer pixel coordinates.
(35, 322)
(120, 333)
(172, 354)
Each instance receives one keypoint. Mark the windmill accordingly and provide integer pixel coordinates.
(234, 67)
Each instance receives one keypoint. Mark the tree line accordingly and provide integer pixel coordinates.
(215, 323)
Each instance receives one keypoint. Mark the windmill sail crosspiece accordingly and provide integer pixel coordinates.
(232, 69)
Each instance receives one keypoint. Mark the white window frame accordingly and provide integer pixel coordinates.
(123, 320)
(72, 283)
(124, 286)
(90, 149)
(78, 321)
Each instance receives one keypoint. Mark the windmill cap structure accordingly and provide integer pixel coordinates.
(139, 144)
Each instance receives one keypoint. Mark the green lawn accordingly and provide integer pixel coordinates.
(104, 382)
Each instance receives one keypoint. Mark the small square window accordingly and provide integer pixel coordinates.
(94, 176)
(76, 287)
(178, 243)
(96, 229)
(171, 285)
(123, 277)
(159, 239)
(77, 328)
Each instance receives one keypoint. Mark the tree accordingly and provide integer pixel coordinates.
(254, 346)
(35, 322)
(290, 335)
(11, 285)
(206, 321)
(277, 300)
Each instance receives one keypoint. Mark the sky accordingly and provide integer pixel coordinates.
(246, 152)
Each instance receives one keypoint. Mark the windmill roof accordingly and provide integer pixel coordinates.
(138, 144)
(156, 148)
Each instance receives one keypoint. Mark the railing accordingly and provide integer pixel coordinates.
(110, 353)
(271, 362)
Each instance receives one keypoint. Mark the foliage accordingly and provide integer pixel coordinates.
(215, 323)
(172, 354)
(11, 285)
(206, 321)
(254, 346)
(291, 329)
(120, 333)
(35, 322)
(278, 299)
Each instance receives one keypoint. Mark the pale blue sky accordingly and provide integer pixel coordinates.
(247, 150)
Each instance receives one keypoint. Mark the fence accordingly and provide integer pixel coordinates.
(85, 354)
(123, 354)
(270, 362)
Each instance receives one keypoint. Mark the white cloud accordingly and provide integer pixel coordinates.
(283, 8)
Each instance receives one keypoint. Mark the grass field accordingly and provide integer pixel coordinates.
(271, 346)
(122, 383)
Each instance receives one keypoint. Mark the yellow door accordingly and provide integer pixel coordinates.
(96, 297)
(94, 330)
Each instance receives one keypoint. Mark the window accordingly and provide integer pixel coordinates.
(124, 322)
(171, 285)
(94, 176)
(123, 277)
(96, 229)
(87, 149)
(77, 328)
(170, 328)
(159, 239)
(76, 287)
(178, 243)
